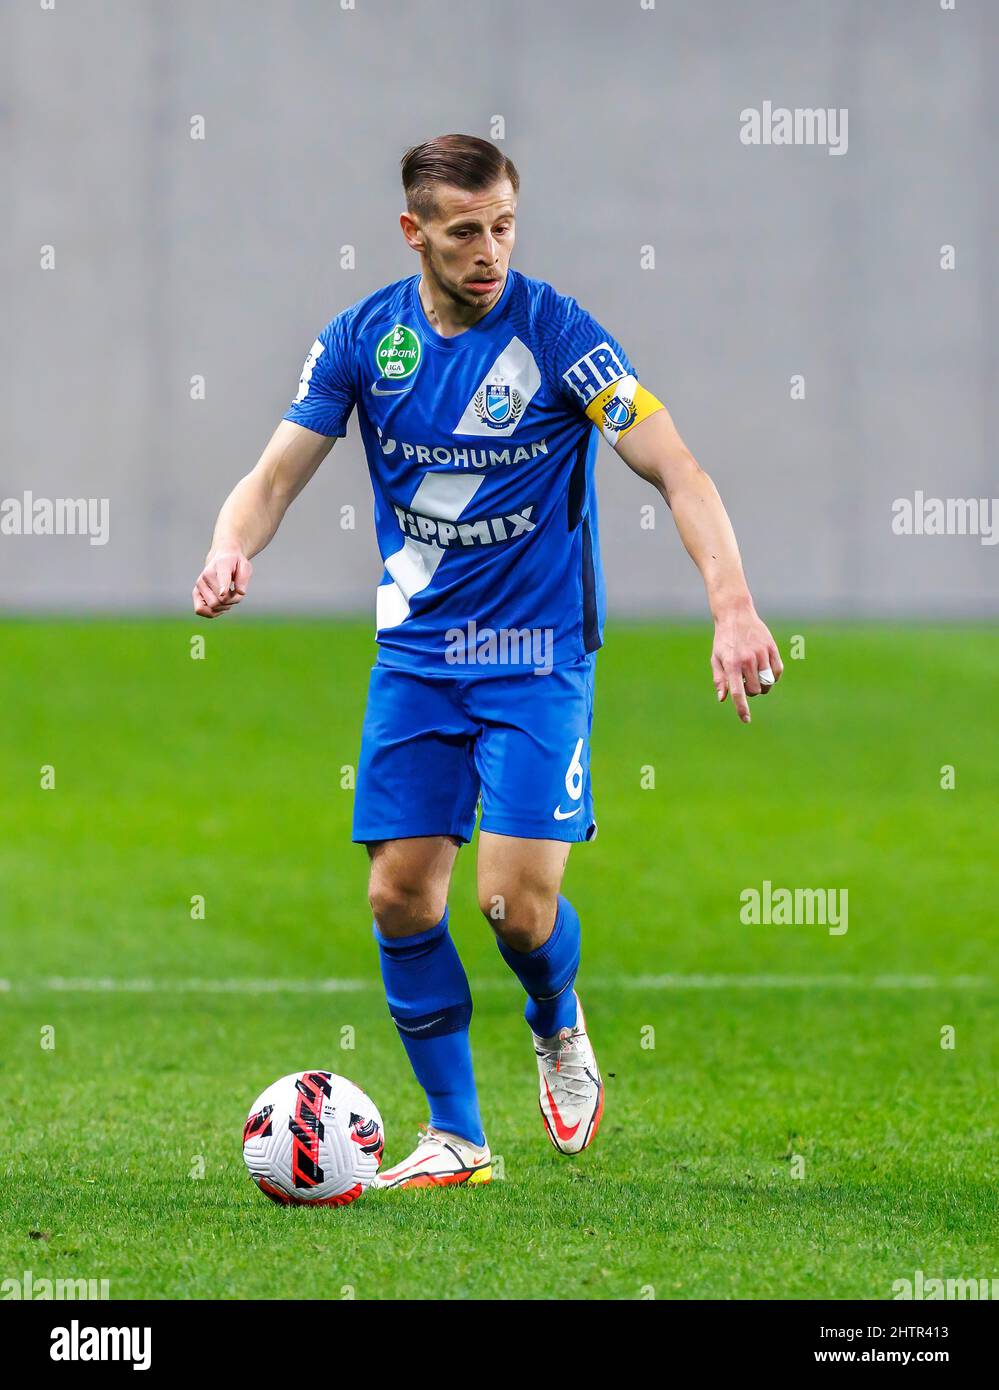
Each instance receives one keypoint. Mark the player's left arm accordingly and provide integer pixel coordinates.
(743, 645)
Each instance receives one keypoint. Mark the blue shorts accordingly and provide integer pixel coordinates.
(431, 745)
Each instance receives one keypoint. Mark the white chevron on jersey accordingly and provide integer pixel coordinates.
(443, 496)
(516, 368)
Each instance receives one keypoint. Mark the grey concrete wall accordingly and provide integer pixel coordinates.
(176, 257)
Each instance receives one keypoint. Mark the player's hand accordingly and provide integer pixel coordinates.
(744, 659)
(222, 583)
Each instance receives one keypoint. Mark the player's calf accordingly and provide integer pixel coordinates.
(425, 984)
(571, 1092)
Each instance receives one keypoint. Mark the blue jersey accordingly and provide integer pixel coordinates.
(481, 450)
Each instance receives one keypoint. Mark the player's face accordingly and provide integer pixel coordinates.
(467, 244)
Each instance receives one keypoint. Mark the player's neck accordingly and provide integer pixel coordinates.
(446, 316)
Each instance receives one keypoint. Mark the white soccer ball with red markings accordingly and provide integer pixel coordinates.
(313, 1139)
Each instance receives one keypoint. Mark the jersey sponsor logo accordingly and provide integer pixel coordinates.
(498, 405)
(398, 354)
(594, 372)
(412, 567)
(442, 456)
(315, 352)
(433, 530)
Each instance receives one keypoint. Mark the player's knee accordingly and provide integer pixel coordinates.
(522, 919)
(402, 906)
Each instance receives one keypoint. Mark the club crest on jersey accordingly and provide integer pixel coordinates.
(497, 405)
(620, 413)
(594, 372)
(398, 354)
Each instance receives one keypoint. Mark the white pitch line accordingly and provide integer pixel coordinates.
(859, 982)
(653, 983)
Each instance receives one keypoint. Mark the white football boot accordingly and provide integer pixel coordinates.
(439, 1160)
(572, 1093)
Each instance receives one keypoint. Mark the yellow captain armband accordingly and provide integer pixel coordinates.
(620, 407)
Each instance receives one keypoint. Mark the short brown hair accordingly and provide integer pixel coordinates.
(463, 161)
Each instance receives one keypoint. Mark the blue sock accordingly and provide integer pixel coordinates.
(548, 974)
(431, 1005)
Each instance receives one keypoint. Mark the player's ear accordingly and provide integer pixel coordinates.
(411, 231)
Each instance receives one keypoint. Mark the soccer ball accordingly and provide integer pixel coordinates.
(313, 1139)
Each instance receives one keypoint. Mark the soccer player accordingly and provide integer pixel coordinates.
(481, 395)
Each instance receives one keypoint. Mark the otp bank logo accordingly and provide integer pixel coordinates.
(594, 372)
(398, 353)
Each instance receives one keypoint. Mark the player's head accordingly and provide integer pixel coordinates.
(461, 199)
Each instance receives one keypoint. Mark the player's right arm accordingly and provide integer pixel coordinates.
(252, 513)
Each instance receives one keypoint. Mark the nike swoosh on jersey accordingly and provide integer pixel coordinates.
(559, 814)
(375, 391)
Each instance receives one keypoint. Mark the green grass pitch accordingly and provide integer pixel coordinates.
(122, 1107)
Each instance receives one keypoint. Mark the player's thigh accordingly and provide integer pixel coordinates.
(416, 775)
(533, 754)
(409, 881)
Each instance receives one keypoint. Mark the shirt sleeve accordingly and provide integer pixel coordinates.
(594, 375)
(585, 358)
(326, 394)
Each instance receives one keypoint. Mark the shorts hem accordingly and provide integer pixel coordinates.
(572, 835)
(368, 835)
